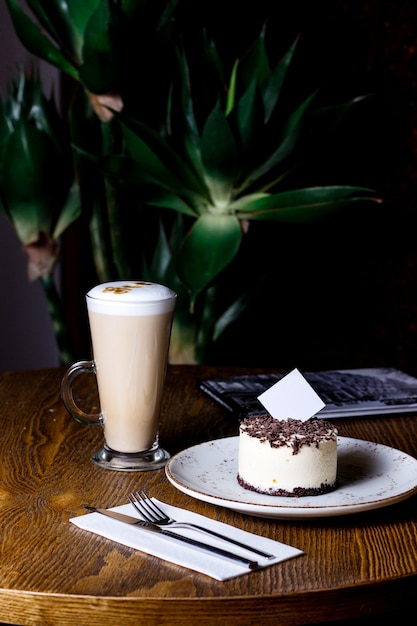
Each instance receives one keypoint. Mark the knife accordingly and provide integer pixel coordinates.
(134, 521)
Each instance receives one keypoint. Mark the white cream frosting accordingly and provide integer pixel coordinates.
(267, 469)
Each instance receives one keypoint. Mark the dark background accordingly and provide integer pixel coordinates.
(342, 293)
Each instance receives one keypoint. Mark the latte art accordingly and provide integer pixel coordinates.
(131, 292)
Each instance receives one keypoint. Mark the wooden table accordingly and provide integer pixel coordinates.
(51, 572)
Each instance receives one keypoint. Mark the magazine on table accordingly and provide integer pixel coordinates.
(346, 393)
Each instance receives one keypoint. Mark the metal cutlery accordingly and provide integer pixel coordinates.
(153, 514)
(134, 521)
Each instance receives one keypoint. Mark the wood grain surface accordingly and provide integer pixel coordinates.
(53, 573)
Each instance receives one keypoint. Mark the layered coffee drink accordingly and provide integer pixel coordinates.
(130, 325)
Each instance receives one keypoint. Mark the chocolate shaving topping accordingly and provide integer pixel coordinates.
(291, 432)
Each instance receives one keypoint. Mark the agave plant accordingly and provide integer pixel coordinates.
(223, 147)
(37, 191)
(228, 157)
(95, 43)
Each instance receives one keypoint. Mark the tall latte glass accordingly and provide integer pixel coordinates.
(130, 326)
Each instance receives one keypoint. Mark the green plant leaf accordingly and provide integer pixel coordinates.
(250, 115)
(32, 204)
(161, 162)
(301, 205)
(161, 258)
(286, 144)
(219, 156)
(44, 115)
(37, 42)
(35, 162)
(102, 52)
(271, 89)
(169, 200)
(232, 90)
(182, 125)
(208, 248)
(47, 16)
(255, 64)
(125, 173)
(65, 21)
(70, 211)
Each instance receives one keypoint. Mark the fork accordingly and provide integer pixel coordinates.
(150, 512)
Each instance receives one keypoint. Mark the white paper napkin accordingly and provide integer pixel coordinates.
(183, 554)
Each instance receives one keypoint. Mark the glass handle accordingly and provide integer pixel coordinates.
(67, 393)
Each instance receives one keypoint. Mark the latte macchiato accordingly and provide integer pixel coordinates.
(130, 325)
(130, 336)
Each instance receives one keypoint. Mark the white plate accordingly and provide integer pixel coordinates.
(370, 476)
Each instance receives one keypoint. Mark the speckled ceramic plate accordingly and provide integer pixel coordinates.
(369, 476)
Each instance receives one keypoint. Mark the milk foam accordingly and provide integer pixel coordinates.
(131, 298)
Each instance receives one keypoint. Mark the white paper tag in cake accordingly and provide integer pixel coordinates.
(291, 397)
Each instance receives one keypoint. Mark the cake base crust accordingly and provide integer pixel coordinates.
(297, 492)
